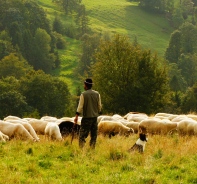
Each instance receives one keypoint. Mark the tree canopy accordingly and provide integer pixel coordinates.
(129, 78)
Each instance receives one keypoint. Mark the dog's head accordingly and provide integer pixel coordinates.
(143, 137)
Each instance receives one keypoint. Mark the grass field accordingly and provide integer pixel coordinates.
(166, 160)
(112, 16)
(123, 17)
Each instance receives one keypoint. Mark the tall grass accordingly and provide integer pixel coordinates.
(165, 160)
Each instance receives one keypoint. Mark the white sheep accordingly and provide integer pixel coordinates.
(28, 126)
(187, 126)
(3, 137)
(15, 130)
(38, 125)
(53, 132)
(137, 117)
(153, 126)
(179, 118)
(134, 125)
(112, 128)
(11, 118)
(48, 118)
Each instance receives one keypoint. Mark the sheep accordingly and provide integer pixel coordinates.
(48, 118)
(52, 130)
(137, 117)
(179, 118)
(67, 119)
(112, 128)
(11, 118)
(187, 127)
(67, 127)
(153, 126)
(15, 130)
(162, 115)
(134, 125)
(38, 125)
(28, 126)
(192, 116)
(104, 117)
(3, 137)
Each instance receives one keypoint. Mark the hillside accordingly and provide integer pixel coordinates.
(112, 16)
(121, 16)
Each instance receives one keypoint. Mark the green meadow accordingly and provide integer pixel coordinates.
(121, 16)
(166, 160)
(110, 17)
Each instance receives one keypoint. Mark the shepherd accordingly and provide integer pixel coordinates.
(90, 108)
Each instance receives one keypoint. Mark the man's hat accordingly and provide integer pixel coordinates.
(88, 81)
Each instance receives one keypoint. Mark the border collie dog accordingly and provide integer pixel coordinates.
(139, 144)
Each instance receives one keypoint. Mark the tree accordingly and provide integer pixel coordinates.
(12, 102)
(129, 78)
(177, 81)
(173, 51)
(188, 65)
(43, 59)
(81, 21)
(89, 44)
(6, 46)
(57, 25)
(187, 8)
(70, 5)
(189, 102)
(177, 18)
(46, 94)
(188, 38)
(13, 66)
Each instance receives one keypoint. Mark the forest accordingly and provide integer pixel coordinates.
(129, 76)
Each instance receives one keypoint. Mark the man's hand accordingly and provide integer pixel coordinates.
(76, 119)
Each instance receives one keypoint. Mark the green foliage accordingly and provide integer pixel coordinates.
(23, 21)
(177, 18)
(60, 41)
(173, 51)
(129, 78)
(47, 94)
(181, 50)
(13, 66)
(159, 5)
(12, 102)
(69, 5)
(6, 46)
(89, 44)
(43, 59)
(189, 102)
(81, 21)
(58, 25)
(188, 65)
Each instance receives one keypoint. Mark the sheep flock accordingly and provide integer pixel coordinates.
(108, 125)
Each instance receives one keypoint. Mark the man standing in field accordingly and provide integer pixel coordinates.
(90, 108)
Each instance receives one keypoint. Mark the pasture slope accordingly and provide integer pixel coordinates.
(124, 17)
(109, 17)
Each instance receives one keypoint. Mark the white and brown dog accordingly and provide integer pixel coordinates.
(140, 143)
